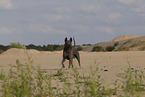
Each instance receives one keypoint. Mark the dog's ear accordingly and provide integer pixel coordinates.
(65, 39)
(71, 39)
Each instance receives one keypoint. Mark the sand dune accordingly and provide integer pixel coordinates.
(124, 37)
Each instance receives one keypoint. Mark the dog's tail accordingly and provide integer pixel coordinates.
(74, 42)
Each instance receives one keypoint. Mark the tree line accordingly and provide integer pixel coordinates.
(49, 47)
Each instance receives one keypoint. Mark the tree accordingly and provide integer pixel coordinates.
(49, 47)
(17, 45)
(31, 46)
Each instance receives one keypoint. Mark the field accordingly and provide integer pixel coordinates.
(33, 73)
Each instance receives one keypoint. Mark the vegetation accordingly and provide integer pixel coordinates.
(3, 48)
(28, 81)
(116, 44)
(126, 46)
(142, 48)
(110, 48)
(49, 47)
(17, 45)
(98, 49)
(80, 48)
(139, 43)
(86, 44)
(123, 49)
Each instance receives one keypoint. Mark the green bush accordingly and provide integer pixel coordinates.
(97, 49)
(116, 43)
(110, 48)
(80, 48)
(17, 45)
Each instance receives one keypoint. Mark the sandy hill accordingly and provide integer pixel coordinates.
(15, 51)
(124, 37)
(124, 43)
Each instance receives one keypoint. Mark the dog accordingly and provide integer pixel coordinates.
(70, 52)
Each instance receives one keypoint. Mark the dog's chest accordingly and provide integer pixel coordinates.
(68, 53)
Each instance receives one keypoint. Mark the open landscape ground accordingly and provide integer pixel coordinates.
(110, 64)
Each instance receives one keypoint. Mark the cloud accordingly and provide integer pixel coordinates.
(141, 8)
(53, 18)
(9, 31)
(90, 8)
(114, 16)
(105, 29)
(127, 1)
(45, 29)
(56, 17)
(6, 4)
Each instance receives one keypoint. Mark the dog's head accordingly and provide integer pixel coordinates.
(68, 43)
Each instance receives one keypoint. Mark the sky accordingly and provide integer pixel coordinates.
(43, 22)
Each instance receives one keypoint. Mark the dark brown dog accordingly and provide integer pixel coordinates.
(70, 52)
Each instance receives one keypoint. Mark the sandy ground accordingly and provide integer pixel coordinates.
(114, 62)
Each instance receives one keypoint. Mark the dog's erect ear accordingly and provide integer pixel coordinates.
(65, 39)
(71, 39)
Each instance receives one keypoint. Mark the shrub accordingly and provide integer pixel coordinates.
(80, 48)
(110, 48)
(123, 49)
(140, 43)
(1, 51)
(97, 49)
(86, 44)
(142, 48)
(116, 43)
(17, 45)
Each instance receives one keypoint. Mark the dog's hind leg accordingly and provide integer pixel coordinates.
(79, 62)
(63, 63)
(78, 58)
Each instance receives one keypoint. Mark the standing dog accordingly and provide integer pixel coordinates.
(70, 52)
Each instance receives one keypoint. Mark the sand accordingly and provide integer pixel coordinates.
(113, 62)
(125, 37)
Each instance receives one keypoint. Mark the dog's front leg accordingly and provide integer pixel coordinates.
(70, 63)
(62, 63)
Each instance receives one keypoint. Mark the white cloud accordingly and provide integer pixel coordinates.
(40, 28)
(6, 4)
(9, 31)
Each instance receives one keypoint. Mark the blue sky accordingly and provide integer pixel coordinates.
(43, 22)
